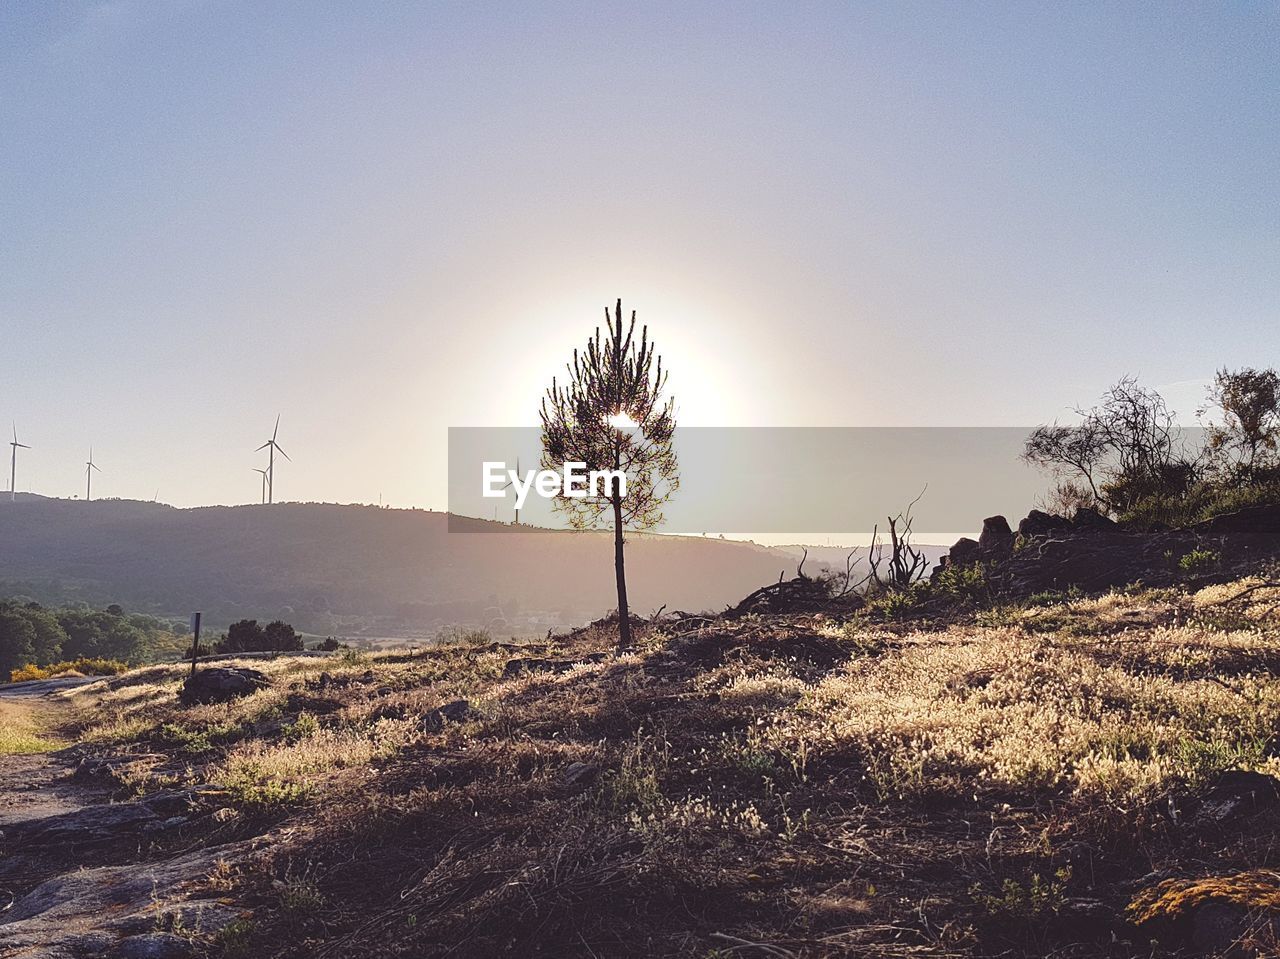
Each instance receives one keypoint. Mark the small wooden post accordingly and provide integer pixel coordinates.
(195, 642)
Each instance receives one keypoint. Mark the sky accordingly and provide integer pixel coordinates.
(382, 220)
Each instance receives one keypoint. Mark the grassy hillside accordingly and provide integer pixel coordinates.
(1070, 777)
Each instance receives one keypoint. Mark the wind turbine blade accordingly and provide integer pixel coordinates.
(275, 432)
(96, 466)
(263, 446)
(22, 446)
(283, 453)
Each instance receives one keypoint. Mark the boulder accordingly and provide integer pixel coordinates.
(1263, 520)
(1240, 792)
(221, 684)
(996, 540)
(93, 825)
(964, 552)
(1090, 563)
(578, 775)
(1088, 519)
(1038, 523)
(87, 911)
(83, 827)
(1229, 915)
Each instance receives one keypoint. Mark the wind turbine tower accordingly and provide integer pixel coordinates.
(274, 448)
(265, 474)
(89, 467)
(509, 485)
(13, 464)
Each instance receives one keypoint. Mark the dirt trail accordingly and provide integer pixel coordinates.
(84, 876)
(37, 785)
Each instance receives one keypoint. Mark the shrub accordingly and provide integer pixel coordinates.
(1199, 560)
(83, 666)
(1032, 901)
(464, 636)
(965, 583)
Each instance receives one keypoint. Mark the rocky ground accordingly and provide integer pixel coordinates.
(1060, 774)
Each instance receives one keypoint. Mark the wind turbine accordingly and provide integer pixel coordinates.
(13, 464)
(89, 467)
(265, 474)
(508, 486)
(274, 447)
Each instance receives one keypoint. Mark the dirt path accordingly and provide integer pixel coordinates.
(37, 784)
(82, 875)
(43, 688)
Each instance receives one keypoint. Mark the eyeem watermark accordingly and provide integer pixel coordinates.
(573, 481)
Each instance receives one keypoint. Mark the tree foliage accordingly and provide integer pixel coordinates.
(1123, 450)
(246, 636)
(611, 415)
(33, 635)
(1243, 440)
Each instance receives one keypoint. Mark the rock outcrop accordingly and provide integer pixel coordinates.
(1093, 553)
(220, 684)
(996, 541)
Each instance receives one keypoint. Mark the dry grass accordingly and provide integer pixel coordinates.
(767, 787)
(966, 710)
(22, 732)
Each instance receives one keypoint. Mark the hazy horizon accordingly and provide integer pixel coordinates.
(383, 222)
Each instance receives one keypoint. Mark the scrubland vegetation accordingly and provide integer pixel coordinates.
(1046, 776)
(1129, 457)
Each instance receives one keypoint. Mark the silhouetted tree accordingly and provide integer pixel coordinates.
(1125, 448)
(246, 636)
(617, 382)
(282, 637)
(1245, 441)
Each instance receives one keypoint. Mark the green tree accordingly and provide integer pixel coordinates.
(247, 636)
(28, 634)
(1246, 439)
(611, 416)
(17, 640)
(97, 633)
(282, 637)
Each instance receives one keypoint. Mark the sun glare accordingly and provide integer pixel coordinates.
(622, 421)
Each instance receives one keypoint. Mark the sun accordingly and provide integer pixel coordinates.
(622, 421)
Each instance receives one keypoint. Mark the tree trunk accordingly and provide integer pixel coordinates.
(619, 568)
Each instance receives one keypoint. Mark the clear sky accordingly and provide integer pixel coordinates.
(383, 219)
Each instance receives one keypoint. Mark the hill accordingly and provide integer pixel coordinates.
(354, 569)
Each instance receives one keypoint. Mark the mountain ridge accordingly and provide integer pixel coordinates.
(341, 569)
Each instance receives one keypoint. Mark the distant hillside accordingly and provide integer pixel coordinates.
(354, 569)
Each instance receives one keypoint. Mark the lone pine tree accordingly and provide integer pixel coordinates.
(611, 415)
